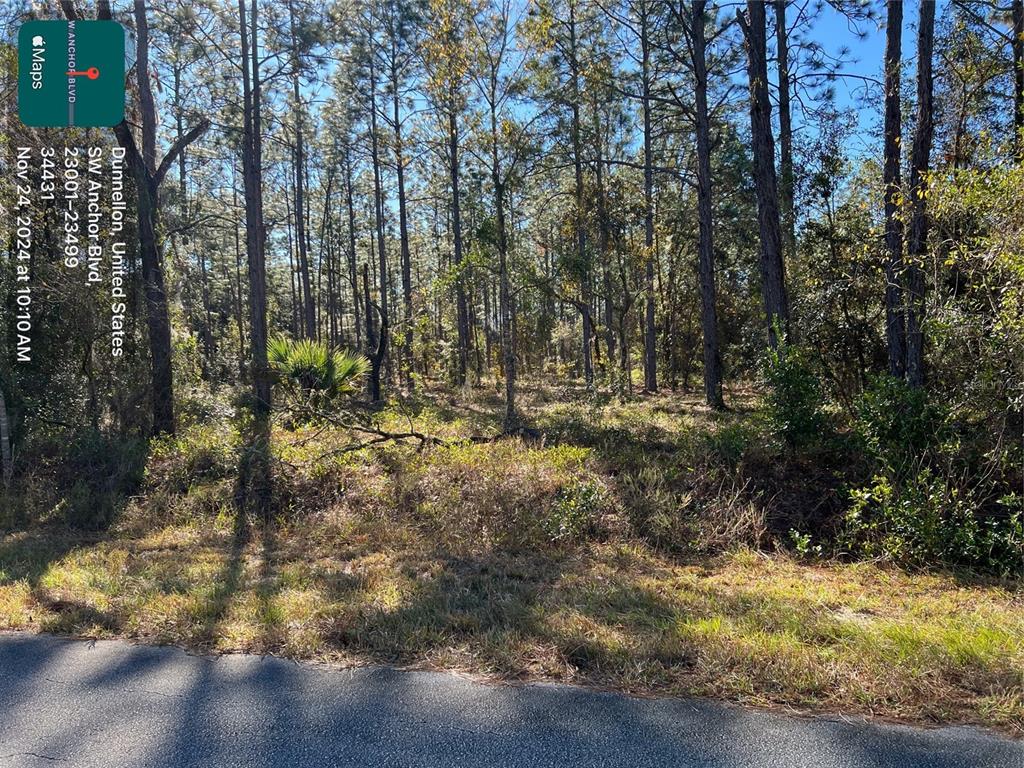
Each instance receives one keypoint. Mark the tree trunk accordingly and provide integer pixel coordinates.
(294, 280)
(239, 309)
(650, 337)
(325, 248)
(786, 175)
(299, 159)
(604, 242)
(6, 456)
(581, 234)
(148, 177)
(895, 327)
(461, 308)
(403, 229)
(179, 128)
(157, 315)
(378, 197)
(773, 276)
(374, 339)
(511, 422)
(352, 267)
(1018, 75)
(917, 245)
(254, 226)
(705, 246)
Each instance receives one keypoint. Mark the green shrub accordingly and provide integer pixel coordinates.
(195, 456)
(98, 474)
(312, 374)
(728, 444)
(793, 396)
(898, 423)
(922, 519)
(576, 507)
(927, 503)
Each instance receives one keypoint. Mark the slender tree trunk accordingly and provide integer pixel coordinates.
(917, 245)
(403, 227)
(773, 276)
(604, 242)
(378, 198)
(1018, 75)
(157, 316)
(256, 475)
(254, 226)
(895, 324)
(352, 268)
(179, 128)
(581, 235)
(325, 240)
(705, 245)
(149, 175)
(625, 363)
(650, 337)
(294, 281)
(787, 178)
(669, 303)
(487, 326)
(375, 337)
(239, 308)
(299, 160)
(6, 455)
(461, 309)
(512, 422)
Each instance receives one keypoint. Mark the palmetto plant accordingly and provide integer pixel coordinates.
(311, 371)
(318, 383)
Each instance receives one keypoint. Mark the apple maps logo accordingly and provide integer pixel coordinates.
(71, 73)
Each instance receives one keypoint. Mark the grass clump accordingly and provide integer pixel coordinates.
(504, 495)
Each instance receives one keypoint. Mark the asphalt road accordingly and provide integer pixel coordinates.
(111, 704)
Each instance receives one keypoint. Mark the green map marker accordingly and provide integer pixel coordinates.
(71, 73)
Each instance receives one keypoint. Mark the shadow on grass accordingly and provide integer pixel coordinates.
(67, 500)
(252, 509)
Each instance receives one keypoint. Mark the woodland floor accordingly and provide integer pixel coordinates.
(514, 560)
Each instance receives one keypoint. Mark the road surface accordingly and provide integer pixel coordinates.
(111, 704)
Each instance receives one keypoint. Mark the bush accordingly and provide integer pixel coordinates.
(898, 424)
(97, 475)
(927, 502)
(923, 520)
(793, 396)
(197, 455)
(574, 511)
(311, 374)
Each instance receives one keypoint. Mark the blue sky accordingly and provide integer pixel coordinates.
(865, 59)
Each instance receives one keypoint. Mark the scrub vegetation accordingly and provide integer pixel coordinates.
(657, 345)
(644, 547)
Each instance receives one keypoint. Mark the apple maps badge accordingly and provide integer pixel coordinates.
(71, 73)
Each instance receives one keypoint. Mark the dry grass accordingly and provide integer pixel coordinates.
(520, 561)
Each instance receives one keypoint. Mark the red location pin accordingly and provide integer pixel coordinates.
(92, 73)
